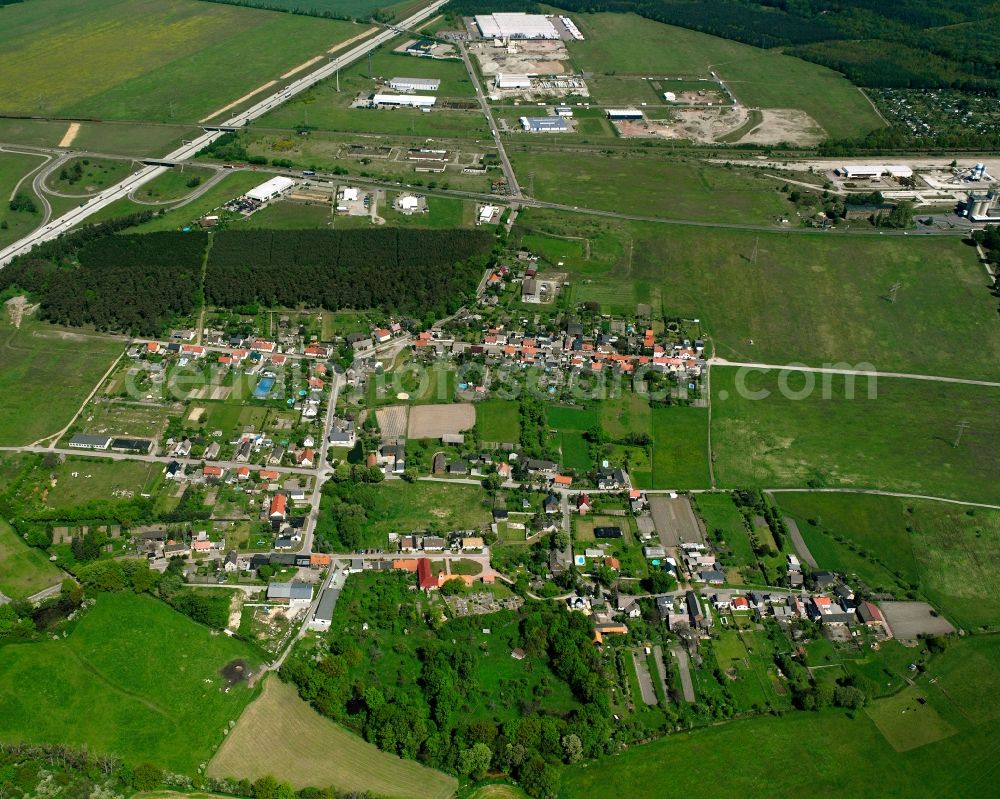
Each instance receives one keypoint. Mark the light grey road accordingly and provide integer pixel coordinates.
(146, 174)
(684, 668)
(829, 370)
(799, 542)
(645, 680)
(508, 169)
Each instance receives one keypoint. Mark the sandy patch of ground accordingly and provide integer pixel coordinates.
(528, 58)
(70, 134)
(392, 421)
(17, 308)
(785, 125)
(434, 421)
(704, 125)
(196, 414)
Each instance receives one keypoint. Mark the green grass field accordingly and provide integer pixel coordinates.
(47, 374)
(131, 673)
(498, 421)
(946, 552)
(634, 184)
(828, 754)
(98, 479)
(185, 59)
(95, 174)
(174, 184)
(811, 298)
(24, 570)
(625, 44)
(680, 447)
(279, 734)
(900, 441)
(233, 185)
(16, 224)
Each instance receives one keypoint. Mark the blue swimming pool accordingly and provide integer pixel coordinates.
(264, 387)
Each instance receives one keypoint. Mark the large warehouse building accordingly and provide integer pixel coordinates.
(513, 82)
(275, 187)
(404, 100)
(545, 124)
(516, 26)
(414, 84)
(874, 170)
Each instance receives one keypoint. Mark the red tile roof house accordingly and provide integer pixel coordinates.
(279, 504)
(583, 504)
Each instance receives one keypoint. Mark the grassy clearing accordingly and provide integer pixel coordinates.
(634, 185)
(174, 184)
(811, 298)
(185, 59)
(900, 441)
(24, 570)
(16, 224)
(122, 138)
(279, 734)
(680, 447)
(906, 722)
(943, 551)
(47, 373)
(498, 420)
(826, 753)
(130, 674)
(100, 480)
(81, 177)
(625, 44)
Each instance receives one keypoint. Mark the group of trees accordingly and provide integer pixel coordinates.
(396, 270)
(424, 716)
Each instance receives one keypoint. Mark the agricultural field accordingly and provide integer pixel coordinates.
(131, 673)
(680, 447)
(357, 9)
(281, 735)
(47, 374)
(498, 421)
(166, 73)
(13, 168)
(902, 440)
(829, 753)
(24, 570)
(625, 44)
(946, 553)
(815, 298)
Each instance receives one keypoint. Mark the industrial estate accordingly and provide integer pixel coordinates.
(449, 400)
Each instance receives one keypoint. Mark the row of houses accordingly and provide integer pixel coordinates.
(463, 541)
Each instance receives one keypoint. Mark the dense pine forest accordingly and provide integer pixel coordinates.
(415, 272)
(139, 283)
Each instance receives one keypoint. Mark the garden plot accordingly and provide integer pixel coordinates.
(392, 421)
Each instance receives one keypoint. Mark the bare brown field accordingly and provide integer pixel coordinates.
(434, 421)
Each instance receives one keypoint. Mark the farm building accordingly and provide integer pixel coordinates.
(513, 82)
(275, 187)
(293, 594)
(404, 100)
(82, 441)
(874, 170)
(545, 124)
(516, 26)
(624, 113)
(414, 84)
